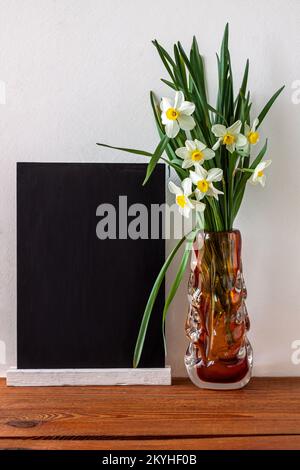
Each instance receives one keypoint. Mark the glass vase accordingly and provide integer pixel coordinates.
(219, 355)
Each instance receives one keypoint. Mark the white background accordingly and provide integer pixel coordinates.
(79, 71)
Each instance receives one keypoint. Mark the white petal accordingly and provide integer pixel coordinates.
(186, 123)
(247, 128)
(244, 151)
(241, 140)
(262, 180)
(230, 148)
(201, 171)
(208, 154)
(174, 189)
(199, 194)
(182, 152)
(164, 118)
(215, 174)
(217, 145)
(266, 163)
(218, 130)
(172, 129)
(190, 203)
(214, 192)
(165, 104)
(178, 100)
(186, 211)
(235, 128)
(190, 145)
(199, 206)
(199, 145)
(187, 163)
(180, 210)
(187, 186)
(253, 179)
(187, 108)
(194, 177)
(254, 125)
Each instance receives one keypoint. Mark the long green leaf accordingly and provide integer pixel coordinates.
(122, 149)
(265, 110)
(155, 157)
(242, 91)
(170, 84)
(166, 59)
(179, 276)
(155, 110)
(223, 72)
(152, 297)
(197, 65)
(260, 156)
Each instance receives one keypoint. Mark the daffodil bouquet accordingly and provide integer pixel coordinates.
(210, 149)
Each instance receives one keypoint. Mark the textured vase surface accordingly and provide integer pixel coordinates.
(219, 355)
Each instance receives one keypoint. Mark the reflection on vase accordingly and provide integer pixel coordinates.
(219, 355)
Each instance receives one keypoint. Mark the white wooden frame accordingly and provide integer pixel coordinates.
(61, 377)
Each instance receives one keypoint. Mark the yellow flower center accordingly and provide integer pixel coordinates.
(253, 137)
(172, 114)
(203, 186)
(228, 139)
(260, 174)
(197, 156)
(181, 201)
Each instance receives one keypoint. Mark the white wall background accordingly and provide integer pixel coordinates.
(79, 71)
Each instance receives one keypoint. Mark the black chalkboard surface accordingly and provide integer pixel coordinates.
(80, 299)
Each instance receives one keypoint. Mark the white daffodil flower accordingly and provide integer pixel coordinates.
(229, 136)
(251, 132)
(176, 114)
(203, 180)
(194, 152)
(252, 137)
(183, 197)
(258, 176)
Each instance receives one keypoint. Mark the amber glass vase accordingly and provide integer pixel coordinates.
(219, 355)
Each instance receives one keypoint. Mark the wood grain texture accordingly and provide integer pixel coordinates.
(206, 443)
(266, 414)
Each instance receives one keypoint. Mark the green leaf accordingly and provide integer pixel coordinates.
(166, 59)
(137, 152)
(199, 98)
(148, 310)
(180, 171)
(223, 72)
(155, 157)
(170, 84)
(260, 156)
(180, 70)
(245, 79)
(242, 91)
(265, 110)
(154, 106)
(179, 276)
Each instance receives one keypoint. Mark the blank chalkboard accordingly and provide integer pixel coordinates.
(80, 299)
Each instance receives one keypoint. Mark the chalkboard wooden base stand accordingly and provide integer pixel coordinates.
(60, 377)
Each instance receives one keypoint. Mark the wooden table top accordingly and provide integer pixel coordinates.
(264, 415)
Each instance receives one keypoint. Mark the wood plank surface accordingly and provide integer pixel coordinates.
(266, 414)
(216, 443)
